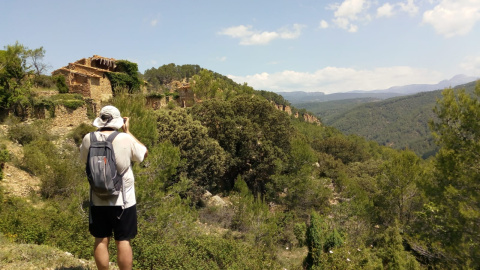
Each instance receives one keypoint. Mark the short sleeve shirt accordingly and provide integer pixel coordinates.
(127, 150)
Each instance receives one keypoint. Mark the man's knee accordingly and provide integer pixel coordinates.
(122, 242)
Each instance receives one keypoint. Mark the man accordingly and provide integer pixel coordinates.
(115, 214)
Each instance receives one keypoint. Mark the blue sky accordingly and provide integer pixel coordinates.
(297, 45)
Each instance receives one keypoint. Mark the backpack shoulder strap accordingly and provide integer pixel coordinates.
(112, 136)
(93, 138)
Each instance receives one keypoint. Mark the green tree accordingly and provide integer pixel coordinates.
(36, 58)
(252, 132)
(399, 198)
(204, 160)
(15, 85)
(454, 191)
(315, 239)
(392, 252)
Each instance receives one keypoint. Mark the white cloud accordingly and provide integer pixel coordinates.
(153, 22)
(349, 12)
(335, 79)
(293, 33)
(409, 7)
(248, 36)
(453, 17)
(222, 59)
(323, 24)
(385, 11)
(350, 9)
(471, 65)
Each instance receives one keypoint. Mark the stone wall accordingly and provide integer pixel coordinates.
(156, 102)
(102, 89)
(70, 118)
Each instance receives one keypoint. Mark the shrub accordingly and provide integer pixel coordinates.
(334, 239)
(37, 155)
(315, 238)
(80, 131)
(71, 101)
(4, 157)
(143, 122)
(61, 84)
(299, 230)
(73, 104)
(43, 81)
(24, 133)
(22, 223)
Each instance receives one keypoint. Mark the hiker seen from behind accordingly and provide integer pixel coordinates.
(108, 155)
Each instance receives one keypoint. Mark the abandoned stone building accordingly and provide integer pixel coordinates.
(87, 77)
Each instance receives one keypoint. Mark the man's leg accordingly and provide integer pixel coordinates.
(124, 255)
(100, 252)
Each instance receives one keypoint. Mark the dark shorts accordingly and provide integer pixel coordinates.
(104, 220)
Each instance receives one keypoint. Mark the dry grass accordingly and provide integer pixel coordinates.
(292, 258)
(26, 256)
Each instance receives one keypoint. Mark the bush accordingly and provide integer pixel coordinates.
(71, 101)
(43, 81)
(334, 239)
(22, 223)
(61, 84)
(4, 157)
(143, 121)
(300, 230)
(80, 131)
(73, 104)
(24, 133)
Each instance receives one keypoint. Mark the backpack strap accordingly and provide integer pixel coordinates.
(93, 138)
(112, 136)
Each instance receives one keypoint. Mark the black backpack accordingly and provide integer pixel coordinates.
(101, 168)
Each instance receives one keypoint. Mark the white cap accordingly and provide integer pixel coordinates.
(109, 117)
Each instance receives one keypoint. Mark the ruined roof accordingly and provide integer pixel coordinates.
(73, 65)
(79, 72)
(110, 62)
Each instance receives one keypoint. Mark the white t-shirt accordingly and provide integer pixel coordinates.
(127, 150)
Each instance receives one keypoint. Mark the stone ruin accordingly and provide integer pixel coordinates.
(87, 77)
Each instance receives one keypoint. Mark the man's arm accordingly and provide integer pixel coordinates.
(126, 129)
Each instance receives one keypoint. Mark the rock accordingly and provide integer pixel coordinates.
(206, 195)
(216, 201)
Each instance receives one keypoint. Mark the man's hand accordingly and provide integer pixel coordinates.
(126, 124)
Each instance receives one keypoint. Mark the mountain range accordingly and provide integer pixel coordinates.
(297, 97)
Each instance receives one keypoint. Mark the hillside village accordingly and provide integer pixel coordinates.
(87, 77)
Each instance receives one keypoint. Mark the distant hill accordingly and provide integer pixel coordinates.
(398, 122)
(302, 97)
(330, 109)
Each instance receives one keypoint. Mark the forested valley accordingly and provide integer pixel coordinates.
(296, 195)
(399, 122)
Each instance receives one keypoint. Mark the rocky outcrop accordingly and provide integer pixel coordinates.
(306, 117)
(311, 119)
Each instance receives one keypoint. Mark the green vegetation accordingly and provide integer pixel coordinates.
(61, 84)
(4, 157)
(125, 77)
(163, 75)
